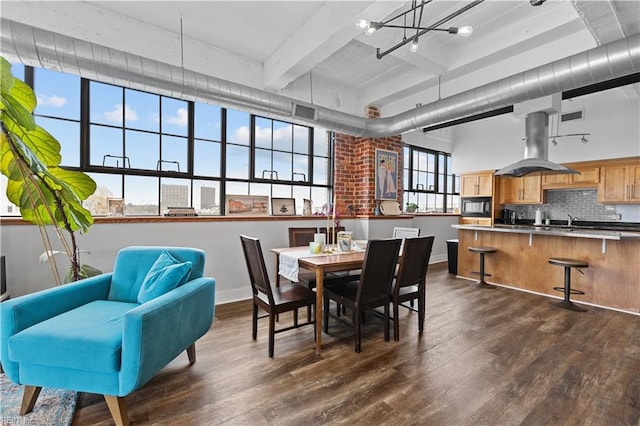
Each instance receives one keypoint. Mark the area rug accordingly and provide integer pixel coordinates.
(53, 406)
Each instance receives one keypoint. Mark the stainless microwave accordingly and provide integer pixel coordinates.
(476, 207)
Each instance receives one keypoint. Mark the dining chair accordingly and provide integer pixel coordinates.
(299, 237)
(370, 291)
(409, 284)
(273, 300)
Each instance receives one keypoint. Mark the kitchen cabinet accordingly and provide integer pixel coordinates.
(523, 190)
(589, 177)
(476, 184)
(475, 221)
(619, 184)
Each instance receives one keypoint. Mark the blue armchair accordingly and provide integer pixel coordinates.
(111, 333)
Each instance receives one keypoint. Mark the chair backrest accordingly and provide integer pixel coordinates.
(133, 263)
(379, 267)
(256, 267)
(330, 236)
(301, 236)
(399, 232)
(414, 262)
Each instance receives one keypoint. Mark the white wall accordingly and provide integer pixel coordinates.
(21, 245)
(610, 118)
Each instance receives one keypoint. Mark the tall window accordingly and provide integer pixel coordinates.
(428, 180)
(155, 152)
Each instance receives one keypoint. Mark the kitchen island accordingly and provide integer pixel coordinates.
(612, 279)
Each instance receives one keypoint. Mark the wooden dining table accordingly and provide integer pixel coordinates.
(321, 264)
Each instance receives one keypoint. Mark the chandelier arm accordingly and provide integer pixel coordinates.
(404, 13)
(380, 55)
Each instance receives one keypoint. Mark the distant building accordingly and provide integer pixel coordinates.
(174, 196)
(207, 198)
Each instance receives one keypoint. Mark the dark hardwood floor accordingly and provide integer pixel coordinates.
(487, 357)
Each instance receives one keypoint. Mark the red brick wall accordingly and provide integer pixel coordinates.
(354, 180)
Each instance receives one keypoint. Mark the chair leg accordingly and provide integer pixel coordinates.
(118, 408)
(325, 315)
(386, 322)
(358, 325)
(396, 322)
(29, 398)
(272, 333)
(191, 353)
(421, 311)
(254, 331)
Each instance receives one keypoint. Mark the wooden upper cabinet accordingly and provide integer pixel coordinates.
(589, 177)
(619, 184)
(523, 190)
(476, 184)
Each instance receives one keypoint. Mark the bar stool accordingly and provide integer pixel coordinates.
(482, 251)
(567, 290)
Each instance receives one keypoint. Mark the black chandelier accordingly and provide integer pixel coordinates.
(417, 7)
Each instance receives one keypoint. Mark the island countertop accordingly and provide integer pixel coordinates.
(555, 230)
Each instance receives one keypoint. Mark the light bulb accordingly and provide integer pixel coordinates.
(413, 47)
(465, 31)
(370, 30)
(362, 24)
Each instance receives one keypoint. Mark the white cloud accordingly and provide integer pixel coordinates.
(240, 135)
(52, 101)
(180, 119)
(115, 115)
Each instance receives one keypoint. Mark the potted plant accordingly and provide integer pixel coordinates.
(411, 207)
(45, 193)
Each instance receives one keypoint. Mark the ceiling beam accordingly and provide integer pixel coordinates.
(328, 30)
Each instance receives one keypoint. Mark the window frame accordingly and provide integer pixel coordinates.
(420, 195)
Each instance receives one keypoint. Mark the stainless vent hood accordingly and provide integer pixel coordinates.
(536, 151)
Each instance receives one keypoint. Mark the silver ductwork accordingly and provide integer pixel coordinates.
(536, 151)
(42, 48)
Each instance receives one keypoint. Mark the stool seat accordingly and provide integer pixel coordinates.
(566, 303)
(482, 250)
(574, 263)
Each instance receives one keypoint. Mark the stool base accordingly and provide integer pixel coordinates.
(483, 284)
(565, 304)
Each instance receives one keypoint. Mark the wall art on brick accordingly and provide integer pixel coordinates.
(386, 175)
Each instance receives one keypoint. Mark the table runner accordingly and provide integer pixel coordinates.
(288, 263)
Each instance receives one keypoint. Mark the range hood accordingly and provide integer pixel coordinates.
(536, 150)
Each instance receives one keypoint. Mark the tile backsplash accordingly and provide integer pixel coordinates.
(581, 203)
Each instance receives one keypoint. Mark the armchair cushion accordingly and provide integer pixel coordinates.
(85, 338)
(165, 274)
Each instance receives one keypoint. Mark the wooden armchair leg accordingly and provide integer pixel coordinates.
(118, 408)
(191, 353)
(29, 399)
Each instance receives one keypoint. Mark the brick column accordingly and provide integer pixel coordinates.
(354, 180)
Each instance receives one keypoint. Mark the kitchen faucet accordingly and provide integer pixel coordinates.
(571, 219)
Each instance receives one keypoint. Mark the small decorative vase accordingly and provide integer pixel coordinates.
(306, 207)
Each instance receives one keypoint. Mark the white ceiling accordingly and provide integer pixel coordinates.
(312, 51)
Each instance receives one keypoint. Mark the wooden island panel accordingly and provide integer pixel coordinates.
(611, 280)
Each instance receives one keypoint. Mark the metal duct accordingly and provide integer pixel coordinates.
(42, 48)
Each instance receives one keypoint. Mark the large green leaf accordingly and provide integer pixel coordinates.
(23, 94)
(39, 147)
(78, 183)
(6, 77)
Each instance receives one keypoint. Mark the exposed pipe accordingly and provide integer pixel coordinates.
(42, 48)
